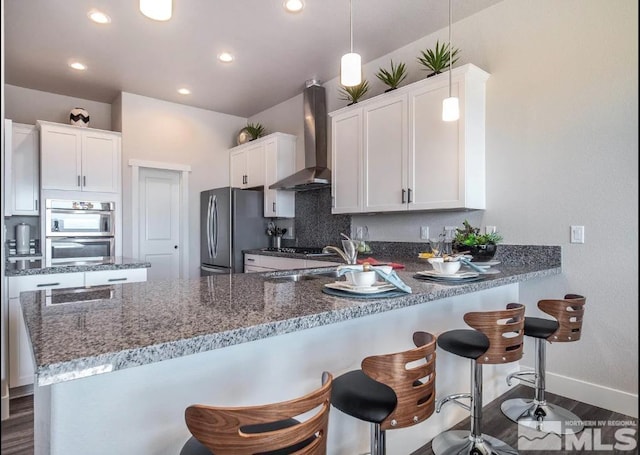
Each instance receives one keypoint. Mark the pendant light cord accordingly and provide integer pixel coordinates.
(351, 24)
(450, 49)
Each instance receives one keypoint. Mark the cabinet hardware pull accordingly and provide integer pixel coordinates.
(117, 279)
(78, 180)
(250, 260)
(404, 192)
(409, 199)
(274, 206)
(47, 284)
(37, 205)
(84, 181)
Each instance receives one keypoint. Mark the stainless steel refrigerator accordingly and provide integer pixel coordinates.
(231, 220)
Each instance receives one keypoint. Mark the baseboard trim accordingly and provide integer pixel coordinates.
(597, 395)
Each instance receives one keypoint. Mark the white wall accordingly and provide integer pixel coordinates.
(167, 132)
(24, 105)
(561, 149)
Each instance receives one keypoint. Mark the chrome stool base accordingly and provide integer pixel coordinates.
(460, 442)
(544, 417)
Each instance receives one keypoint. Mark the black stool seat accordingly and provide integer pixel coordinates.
(194, 447)
(539, 327)
(358, 395)
(470, 344)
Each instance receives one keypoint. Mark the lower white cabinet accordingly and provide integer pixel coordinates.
(259, 263)
(21, 364)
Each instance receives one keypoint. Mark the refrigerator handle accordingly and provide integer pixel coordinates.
(215, 226)
(209, 207)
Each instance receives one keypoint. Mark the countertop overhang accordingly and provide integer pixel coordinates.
(153, 321)
(28, 267)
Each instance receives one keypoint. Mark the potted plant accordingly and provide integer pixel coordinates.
(254, 130)
(437, 59)
(392, 77)
(481, 246)
(353, 94)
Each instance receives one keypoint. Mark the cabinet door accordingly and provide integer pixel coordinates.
(435, 164)
(60, 158)
(279, 156)
(21, 364)
(237, 169)
(346, 155)
(385, 149)
(100, 162)
(25, 166)
(255, 174)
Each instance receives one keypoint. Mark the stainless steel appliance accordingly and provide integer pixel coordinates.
(231, 220)
(79, 232)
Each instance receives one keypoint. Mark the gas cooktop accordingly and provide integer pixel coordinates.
(309, 251)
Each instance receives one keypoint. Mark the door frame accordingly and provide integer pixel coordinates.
(184, 170)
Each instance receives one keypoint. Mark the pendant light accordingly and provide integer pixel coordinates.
(451, 105)
(159, 10)
(350, 64)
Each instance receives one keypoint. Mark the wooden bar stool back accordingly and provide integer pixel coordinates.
(270, 429)
(497, 338)
(566, 326)
(391, 391)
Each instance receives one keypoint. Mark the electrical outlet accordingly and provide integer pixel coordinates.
(490, 229)
(424, 232)
(577, 234)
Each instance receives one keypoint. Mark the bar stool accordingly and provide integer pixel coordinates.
(267, 429)
(497, 339)
(389, 394)
(567, 326)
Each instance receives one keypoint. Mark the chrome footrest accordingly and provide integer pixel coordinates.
(520, 376)
(454, 398)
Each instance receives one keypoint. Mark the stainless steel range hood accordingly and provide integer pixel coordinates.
(315, 175)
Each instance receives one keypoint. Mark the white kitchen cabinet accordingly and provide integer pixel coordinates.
(23, 183)
(247, 165)
(79, 159)
(411, 159)
(280, 162)
(263, 162)
(262, 263)
(21, 363)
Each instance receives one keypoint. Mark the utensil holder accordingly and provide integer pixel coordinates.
(276, 241)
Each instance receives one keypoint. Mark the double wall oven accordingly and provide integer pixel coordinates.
(78, 232)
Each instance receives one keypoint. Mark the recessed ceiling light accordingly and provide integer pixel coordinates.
(225, 57)
(293, 6)
(78, 66)
(98, 17)
(184, 91)
(158, 10)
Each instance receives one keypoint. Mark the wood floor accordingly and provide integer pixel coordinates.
(17, 431)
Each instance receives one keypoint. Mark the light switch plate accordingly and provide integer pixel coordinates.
(577, 234)
(424, 232)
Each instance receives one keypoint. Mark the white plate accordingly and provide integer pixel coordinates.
(455, 276)
(344, 286)
(486, 264)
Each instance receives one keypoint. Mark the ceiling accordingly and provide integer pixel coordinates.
(275, 51)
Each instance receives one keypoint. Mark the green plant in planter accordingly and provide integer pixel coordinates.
(470, 236)
(353, 94)
(393, 77)
(255, 130)
(437, 59)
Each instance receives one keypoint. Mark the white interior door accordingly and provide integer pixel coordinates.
(159, 225)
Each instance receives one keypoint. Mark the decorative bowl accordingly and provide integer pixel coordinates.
(480, 253)
(361, 279)
(444, 267)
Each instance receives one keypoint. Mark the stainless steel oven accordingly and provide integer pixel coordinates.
(64, 218)
(78, 250)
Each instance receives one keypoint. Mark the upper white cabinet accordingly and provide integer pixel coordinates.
(393, 152)
(263, 162)
(23, 185)
(79, 159)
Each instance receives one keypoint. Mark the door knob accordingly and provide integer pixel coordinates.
(175, 247)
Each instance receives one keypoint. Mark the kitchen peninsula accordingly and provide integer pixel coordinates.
(115, 375)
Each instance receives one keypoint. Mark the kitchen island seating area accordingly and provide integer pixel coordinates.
(497, 338)
(391, 391)
(270, 429)
(566, 326)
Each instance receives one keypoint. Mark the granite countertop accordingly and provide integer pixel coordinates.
(36, 267)
(143, 323)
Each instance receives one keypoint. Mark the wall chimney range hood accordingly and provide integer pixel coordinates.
(315, 175)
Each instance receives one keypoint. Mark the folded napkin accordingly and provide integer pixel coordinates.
(391, 278)
(467, 262)
(372, 261)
